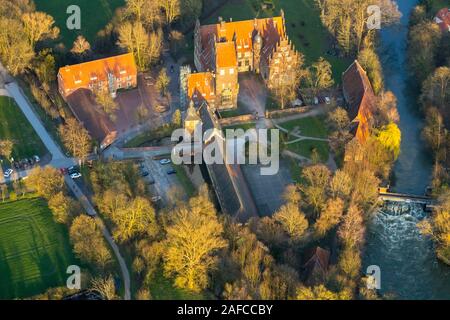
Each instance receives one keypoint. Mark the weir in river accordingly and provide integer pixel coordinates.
(408, 264)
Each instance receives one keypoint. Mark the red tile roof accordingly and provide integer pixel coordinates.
(316, 266)
(360, 98)
(201, 86)
(443, 19)
(100, 127)
(226, 54)
(242, 32)
(81, 75)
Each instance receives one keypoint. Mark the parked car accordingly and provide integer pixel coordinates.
(75, 175)
(161, 108)
(171, 171)
(36, 158)
(316, 100)
(156, 198)
(327, 100)
(165, 161)
(8, 173)
(72, 169)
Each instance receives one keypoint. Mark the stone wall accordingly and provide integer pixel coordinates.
(246, 118)
(287, 112)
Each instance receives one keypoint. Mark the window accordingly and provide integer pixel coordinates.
(222, 72)
(231, 71)
(247, 63)
(226, 96)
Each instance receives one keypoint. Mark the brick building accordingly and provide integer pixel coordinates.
(360, 99)
(225, 49)
(442, 19)
(110, 74)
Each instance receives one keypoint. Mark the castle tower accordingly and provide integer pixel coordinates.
(192, 120)
(226, 75)
(185, 71)
(257, 46)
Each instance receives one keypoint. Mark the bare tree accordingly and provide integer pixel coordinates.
(81, 47)
(39, 26)
(6, 148)
(171, 10)
(146, 47)
(15, 50)
(105, 286)
(76, 138)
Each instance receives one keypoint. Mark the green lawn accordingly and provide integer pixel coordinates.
(95, 15)
(244, 126)
(306, 147)
(15, 126)
(303, 25)
(311, 127)
(34, 251)
(146, 138)
(162, 288)
(438, 5)
(184, 179)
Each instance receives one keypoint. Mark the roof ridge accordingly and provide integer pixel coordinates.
(87, 62)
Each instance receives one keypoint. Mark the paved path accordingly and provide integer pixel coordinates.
(59, 160)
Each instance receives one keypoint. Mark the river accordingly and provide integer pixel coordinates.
(409, 268)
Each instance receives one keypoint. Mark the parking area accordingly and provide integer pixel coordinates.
(267, 191)
(161, 179)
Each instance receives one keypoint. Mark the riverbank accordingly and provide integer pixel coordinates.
(408, 264)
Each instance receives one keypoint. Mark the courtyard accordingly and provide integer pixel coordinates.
(137, 106)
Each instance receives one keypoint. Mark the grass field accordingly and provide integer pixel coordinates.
(184, 180)
(34, 251)
(95, 15)
(162, 288)
(15, 126)
(302, 23)
(311, 127)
